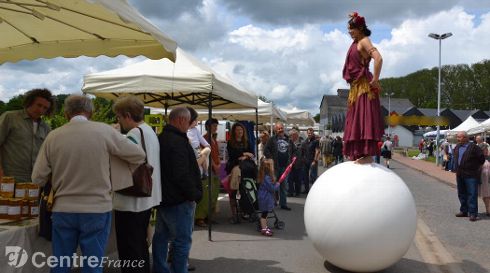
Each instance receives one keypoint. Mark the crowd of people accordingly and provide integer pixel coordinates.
(88, 162)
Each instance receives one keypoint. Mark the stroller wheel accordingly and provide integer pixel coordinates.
(279, 225)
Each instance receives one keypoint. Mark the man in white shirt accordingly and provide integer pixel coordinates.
(386, 151)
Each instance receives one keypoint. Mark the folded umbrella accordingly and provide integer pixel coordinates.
(287, 171)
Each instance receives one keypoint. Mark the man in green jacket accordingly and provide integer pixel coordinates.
(21, 134)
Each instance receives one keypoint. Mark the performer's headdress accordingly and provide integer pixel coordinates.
(357, 20)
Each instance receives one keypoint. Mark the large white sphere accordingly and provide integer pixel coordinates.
(360, 218)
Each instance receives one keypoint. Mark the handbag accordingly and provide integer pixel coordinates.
(45, 206)
(142, 181)
(384, 151)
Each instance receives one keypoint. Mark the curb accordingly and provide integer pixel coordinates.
(452, 185)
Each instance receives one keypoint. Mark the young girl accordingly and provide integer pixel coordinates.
(268, 186)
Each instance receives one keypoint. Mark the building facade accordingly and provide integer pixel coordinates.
(333, 109)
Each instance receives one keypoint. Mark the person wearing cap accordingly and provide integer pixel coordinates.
(362, 131)
(202, 213)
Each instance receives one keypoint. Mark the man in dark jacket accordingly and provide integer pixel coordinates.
(181, 189)
(468, 159)
(295, 178)
(311, 147)
(279, 148)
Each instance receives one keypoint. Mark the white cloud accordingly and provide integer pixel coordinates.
(279, 91)
(288, 65)
(296, 66)
(255, 38)
(410, 48)
(2, 94)
(292, 63)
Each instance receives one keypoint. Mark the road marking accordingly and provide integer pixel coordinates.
(437, 257)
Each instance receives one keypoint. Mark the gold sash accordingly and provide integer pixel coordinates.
(359, 87)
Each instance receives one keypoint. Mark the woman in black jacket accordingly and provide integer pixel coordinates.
(238, 149)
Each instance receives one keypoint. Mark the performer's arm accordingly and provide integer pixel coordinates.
(378, 60)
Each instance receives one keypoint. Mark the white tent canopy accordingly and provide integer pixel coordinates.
(34, 29)
(163, 84)
(434, 133)
(267, 112)
(469, 123)
(481, 128)
(299, 117)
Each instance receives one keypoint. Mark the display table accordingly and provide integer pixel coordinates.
(24, 234)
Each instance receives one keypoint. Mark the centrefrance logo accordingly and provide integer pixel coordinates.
(17, 257)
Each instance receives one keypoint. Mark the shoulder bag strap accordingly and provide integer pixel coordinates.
(143, 143)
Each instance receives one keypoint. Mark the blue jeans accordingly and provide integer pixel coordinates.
(174, 224)
(283, 194)
(468, 195)
(449, 165)
(90, 230)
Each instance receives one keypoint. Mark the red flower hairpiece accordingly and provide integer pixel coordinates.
(357, 20)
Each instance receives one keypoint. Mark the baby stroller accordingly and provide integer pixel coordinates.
(278, 224)
(248, 202)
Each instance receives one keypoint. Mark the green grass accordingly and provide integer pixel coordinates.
(412, 152)
(415, 152)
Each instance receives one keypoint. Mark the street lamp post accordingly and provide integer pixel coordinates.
(440, 38)
(389, 111)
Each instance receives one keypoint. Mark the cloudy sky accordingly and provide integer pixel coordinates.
(289, 51)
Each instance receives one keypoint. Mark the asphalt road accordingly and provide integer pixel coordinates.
(468, 242)
(443, 243)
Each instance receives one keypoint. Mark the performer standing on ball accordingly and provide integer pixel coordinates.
(364, 125)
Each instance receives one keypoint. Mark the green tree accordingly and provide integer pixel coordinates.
(317, 118)
(264, 98)
(462, 87)
(15, 103)
(481, 71)
(103, 111)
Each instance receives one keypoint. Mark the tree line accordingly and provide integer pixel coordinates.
(102, 110)
(463, 86)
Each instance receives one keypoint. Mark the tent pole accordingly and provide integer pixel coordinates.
(271, 122)
(210, 174)
(257, 135)
(271, 117)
